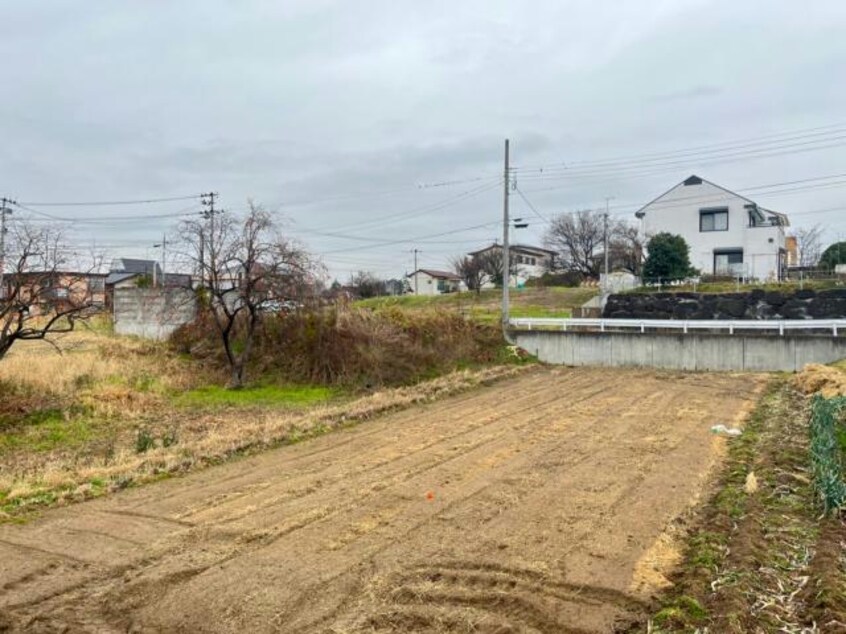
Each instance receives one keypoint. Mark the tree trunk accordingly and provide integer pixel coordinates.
(236, 380)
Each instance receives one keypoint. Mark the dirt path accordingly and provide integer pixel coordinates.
(525, 506)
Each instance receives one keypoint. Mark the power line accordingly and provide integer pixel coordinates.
(710, 148)
(412, 239)
(635, 170)
(103, 219)
(417, 211)
(810, 183)
(529, 204)
(98, 203)
(385, 192)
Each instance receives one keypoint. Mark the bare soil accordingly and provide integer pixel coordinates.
(761, 558)
(534, 505)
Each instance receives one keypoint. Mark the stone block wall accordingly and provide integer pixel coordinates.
(755, 304)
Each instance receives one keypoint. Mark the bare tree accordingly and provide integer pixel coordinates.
(368, 284)
(576, 237)
(39, 297)
(625, 247)
(809, 242)
(473, 271)
(248, 268)
(579, 238)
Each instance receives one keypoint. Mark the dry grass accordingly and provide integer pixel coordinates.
(110, 411)
(197, 439)
(828, 380)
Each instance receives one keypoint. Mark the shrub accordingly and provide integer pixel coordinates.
(570, 279)
(144, 441)
(356, 347)
(668, 259)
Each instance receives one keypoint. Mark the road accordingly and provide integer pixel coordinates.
(531, 505)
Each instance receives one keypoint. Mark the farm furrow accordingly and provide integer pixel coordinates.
(524, 505)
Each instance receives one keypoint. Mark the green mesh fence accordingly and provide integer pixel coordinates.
(826, 458)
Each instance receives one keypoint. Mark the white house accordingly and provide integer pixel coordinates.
(526, 262)
(728, 234)
(432, 282)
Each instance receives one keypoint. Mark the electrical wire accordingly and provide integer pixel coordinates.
(98, 203)
(703, 149)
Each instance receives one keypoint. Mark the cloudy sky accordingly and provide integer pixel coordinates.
(376, 127)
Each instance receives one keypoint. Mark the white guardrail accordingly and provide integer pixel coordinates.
(642, 325)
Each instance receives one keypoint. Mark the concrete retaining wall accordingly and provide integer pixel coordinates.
(682, 352)
(152, 313)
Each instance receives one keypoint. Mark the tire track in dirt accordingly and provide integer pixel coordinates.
(285, 530)
(573, 462)
(317, 589)
(534, 523)
(298, 470)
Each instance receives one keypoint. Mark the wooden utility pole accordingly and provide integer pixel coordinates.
(506, 184)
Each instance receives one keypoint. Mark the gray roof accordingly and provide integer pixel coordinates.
(114, 278)
(130, 265)
(170, 279)
(525, 248)
(447, 275)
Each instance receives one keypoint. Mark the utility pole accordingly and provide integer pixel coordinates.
(209, 213)
(605, 240)
(163, 246)
(4, 211)
(415, 251)
(506, 183)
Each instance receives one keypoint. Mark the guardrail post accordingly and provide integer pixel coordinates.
(685, 326)
(601, 325)
(834, 329)
(642, 328)
(731, 327)
(781, 328)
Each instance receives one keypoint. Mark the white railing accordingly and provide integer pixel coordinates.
(779, 326)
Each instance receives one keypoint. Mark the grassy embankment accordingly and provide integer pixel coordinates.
(111, 412)
(761, 556)
(485, 307)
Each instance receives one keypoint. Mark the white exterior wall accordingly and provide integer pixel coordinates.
(426, 284)
(524, 272)
(677, 212)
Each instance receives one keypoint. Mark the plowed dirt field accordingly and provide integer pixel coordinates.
(533, 505)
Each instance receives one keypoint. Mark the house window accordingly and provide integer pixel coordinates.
(441, 285)
(713, 219)
(728, 262)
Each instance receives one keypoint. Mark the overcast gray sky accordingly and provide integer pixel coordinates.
(376, 127)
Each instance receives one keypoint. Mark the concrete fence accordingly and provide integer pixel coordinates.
(152, 313)
(692, 351)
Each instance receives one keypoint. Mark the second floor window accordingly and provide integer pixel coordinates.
(713, 220)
